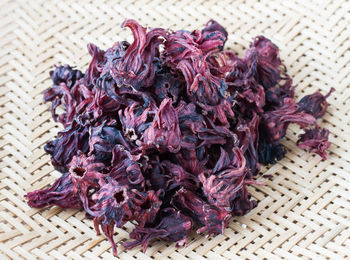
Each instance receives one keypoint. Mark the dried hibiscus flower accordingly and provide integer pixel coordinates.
(315, 141)
(168, 131)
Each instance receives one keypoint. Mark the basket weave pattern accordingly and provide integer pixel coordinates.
(303, 212)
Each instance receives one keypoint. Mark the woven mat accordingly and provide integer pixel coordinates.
(304, 212)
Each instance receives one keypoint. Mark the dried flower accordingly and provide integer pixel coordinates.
(315, 141)
(168, 131)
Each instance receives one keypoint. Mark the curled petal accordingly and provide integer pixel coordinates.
(212, 219)
(315, 104)
(165, 132)
(173, 226)
(315, 141)
(60, 193)
(276, 122)
(137, 66)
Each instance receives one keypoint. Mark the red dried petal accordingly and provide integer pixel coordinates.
(174, 226)
(315, 141)
(164, 133)
(212, 219)
(315, 104)
(60, 193)
(276, 122)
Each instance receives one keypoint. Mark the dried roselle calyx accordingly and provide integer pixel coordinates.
(60, 193)
(102, 141)
(248, 136)
(147, 204)
(66, 75)
(168, 84)
(173, 226)
(67, 144)
(269, 153)
(315, 141)
(274, 96)
(268, 61)
(211, 30)
(178, 177)
(182, 44)
(125, 168)
(137, 65)
(85, 174)
(136, 118)
(202, 86)
(191, 124)
(164, 133)
(241, 202)
(113, 207)
(96, 65)
(252, 99)
(269, 72)
(276, 122)
(67, 90)
(97, 105)
(224, 180)
(212, 219)
(315, 104)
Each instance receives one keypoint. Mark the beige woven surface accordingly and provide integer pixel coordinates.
(304, 212)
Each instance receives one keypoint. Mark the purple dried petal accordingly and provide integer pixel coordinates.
(102, 141)
(96, 64)
(248, 136)
(137, 66)
(205, 89)
(113, 207)
(315, 141)
(242, 203)
(269, 153)
(147, 205)
(85, 174)
(210, 30)
(212, 219)
(276, 122)
(222, 186)
(60, 193)
(315, 104)
(165, 132)
(191, 162)
(268, 61)
(174, 226)
(178, 177)
(69, 141)
(125, 167)
(182, 44)
(67, 91)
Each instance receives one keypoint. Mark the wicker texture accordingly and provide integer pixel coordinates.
(303, 212)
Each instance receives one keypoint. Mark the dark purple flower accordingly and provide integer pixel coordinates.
(315, 141)
(315, 104)
(113, 207)
(164, 133)
(60, 193)
(69, 141)
(85, 174)
(173, 226)
(276, 122)
(137, 66)
(66, 91)
(213, 220)
(226, 178)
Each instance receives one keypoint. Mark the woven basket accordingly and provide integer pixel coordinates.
(303, 212)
